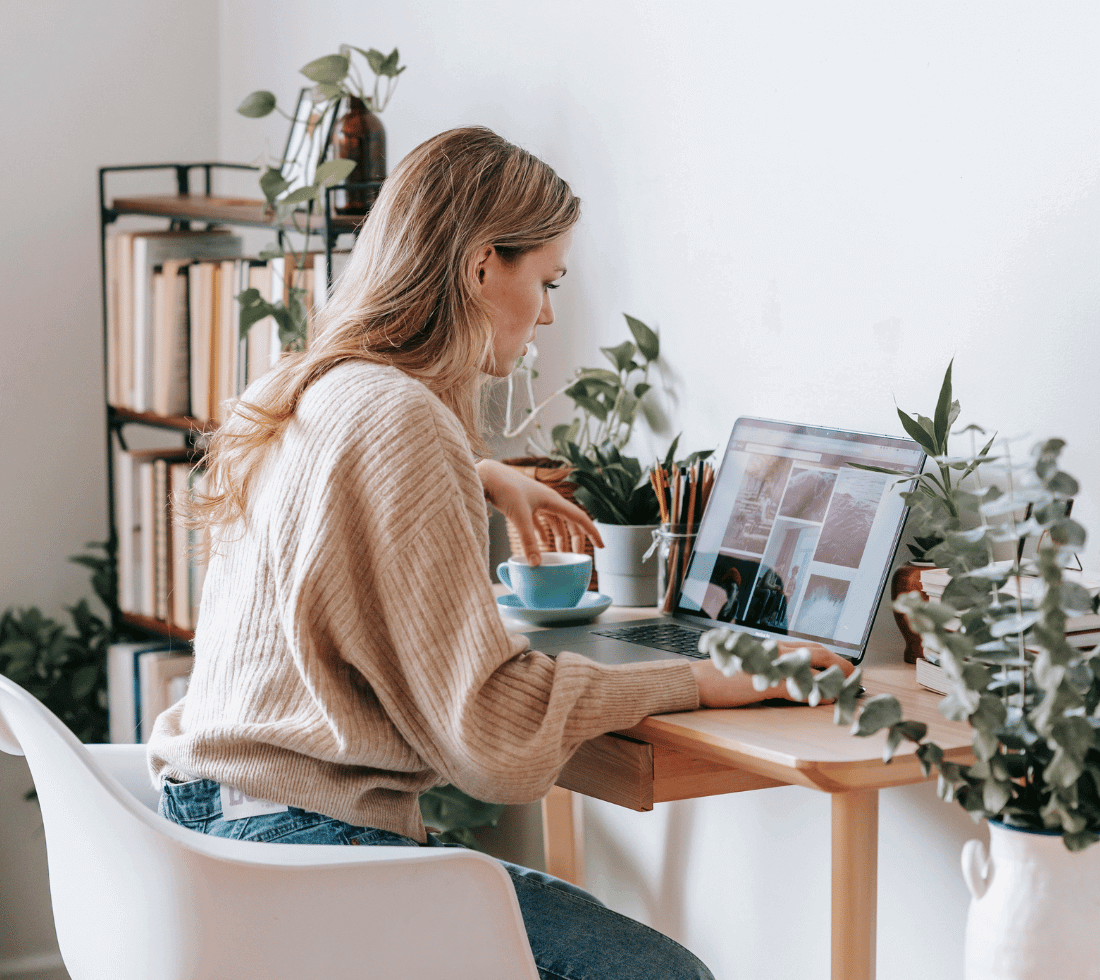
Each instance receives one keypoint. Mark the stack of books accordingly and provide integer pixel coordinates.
(1082, 631)
(160, 568)
(173, 319)
(143, 679)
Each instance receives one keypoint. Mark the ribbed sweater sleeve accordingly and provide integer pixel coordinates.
(373, 643)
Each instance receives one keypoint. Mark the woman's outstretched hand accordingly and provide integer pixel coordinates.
(523, 500)
(716, 690)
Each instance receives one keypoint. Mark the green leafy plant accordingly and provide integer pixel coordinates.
(335, 76)
(937, 499)
(66, 671)
(606, 402)
(1031, 698)
(291, 315)
(455, 815)
(613, 488)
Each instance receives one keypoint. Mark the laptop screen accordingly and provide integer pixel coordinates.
(795, 542)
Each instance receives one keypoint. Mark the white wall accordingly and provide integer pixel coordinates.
(817, 204)
(92, 84)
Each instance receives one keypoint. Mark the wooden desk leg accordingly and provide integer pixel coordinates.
(855, 884)
(563, 835)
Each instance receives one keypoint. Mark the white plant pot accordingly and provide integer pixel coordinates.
(1035, 908)
(622, 573)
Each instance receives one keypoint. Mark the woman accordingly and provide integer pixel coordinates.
(349, 653)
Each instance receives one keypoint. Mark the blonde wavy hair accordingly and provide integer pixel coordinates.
(406, 298)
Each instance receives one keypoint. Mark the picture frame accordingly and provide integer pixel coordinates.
(308, 141)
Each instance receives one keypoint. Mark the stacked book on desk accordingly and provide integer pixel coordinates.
(1082, 631)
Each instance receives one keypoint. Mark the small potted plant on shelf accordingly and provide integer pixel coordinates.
(358, 135)
(1030, 693)
(938, 503)
(293, 187)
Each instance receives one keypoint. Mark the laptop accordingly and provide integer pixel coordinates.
(794, 544)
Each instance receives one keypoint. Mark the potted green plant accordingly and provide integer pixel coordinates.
(359, 161)
(67, 671)
(606, 402)
(584, 457)
(938, 503)
(620, 496)
(1031, 697)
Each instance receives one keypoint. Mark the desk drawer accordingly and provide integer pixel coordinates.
(636, 774)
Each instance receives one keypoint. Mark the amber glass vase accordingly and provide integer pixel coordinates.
(907, 579)
(360, 136)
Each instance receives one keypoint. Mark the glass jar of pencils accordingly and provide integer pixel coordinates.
(674, 543)
(682, 493)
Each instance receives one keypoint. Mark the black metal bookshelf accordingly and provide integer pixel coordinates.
(193, 203)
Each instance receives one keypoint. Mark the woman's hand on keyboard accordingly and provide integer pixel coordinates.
(716, 690)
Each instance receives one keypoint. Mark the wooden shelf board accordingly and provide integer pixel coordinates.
(221, 210)
(159, 626)
(184, 422)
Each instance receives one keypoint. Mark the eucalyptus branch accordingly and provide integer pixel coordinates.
(1037, 765)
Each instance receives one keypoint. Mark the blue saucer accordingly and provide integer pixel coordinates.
(590, 606)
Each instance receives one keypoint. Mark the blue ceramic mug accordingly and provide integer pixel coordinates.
(558, 583)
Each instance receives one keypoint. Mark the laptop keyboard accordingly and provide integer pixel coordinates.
(670, 637)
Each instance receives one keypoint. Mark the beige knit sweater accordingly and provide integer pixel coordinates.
(349, 652)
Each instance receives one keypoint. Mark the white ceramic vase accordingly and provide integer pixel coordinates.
(622, 570)
(1034, 908)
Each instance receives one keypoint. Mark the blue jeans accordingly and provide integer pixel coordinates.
(573, 935)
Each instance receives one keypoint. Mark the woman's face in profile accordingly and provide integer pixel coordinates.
(518, 294)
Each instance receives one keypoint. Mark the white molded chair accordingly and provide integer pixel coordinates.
(136, 897)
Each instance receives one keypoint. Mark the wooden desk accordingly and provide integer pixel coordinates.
(703, 753)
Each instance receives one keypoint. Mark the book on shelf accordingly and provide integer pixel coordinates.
(182, 288)
(188, 560)
(262, 342)
(134, 514)
(110, 292)
(311, 277)
(158, 574)
(119, 257)
(150, 250)
(162, 680)
(202, 302)
(124, 687)
(227, 345)
(171, 394)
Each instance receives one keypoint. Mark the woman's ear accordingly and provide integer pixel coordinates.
(480, 261)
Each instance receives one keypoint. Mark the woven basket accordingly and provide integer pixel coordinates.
(554, 474)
